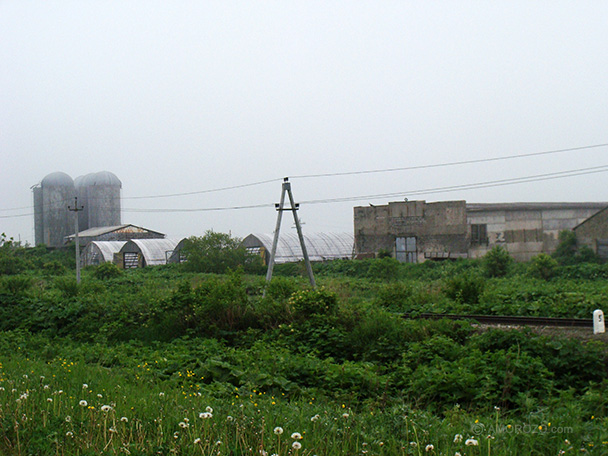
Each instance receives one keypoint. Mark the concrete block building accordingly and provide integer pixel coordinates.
(415, 231)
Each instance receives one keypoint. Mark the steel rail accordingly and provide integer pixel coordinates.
(509, 320)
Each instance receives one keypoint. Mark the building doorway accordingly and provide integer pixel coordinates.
(405, 249)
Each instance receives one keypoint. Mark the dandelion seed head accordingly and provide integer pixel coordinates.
(430, 447)
(209, 409)
(124, 419)
(296, 445)
(296, 436)
(83, 403)
(84, 386)
(278, 430)
(197, 441)
(106, 408)
(471, 442)
(458, 438)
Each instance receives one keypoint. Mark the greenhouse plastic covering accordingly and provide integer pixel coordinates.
(320, 246)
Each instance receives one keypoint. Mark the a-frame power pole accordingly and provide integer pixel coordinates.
(280, 207)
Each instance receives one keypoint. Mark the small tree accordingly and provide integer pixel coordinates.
(218, 252)
(542, 266)
(565, 253)
(496, 262)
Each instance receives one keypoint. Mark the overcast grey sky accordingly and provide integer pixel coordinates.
(184, 96)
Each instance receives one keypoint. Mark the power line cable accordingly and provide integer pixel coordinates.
(347, 173)
(199, 192)
(472, 186)
(440, 165)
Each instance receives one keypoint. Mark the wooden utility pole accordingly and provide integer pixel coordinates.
(286, 188)
(75, 210)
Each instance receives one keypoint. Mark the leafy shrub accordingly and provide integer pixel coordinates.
(11, 265)
(394, 296)
(542, 266)
(313, 302)
(53, 267)
(384, 269)
(67, 286)
(464, 289)
(281, 288)
(496, 262)
(217, 253)
(107, 271)
(16, 285)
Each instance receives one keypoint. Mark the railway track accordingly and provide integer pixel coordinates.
(510, 320)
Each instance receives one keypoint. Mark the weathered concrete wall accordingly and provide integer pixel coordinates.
(445, 229)
(526, 229)
(439, 228)
(593, 233)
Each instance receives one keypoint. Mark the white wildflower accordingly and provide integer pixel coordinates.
(84, 386)
(209, 409)
(296, 445)
(197, 441)
(183, 425)
(124, 419)
(471, 442)
(296, 436)
(106, 408)
(429, 447)
(83, 403)
(278, 430)
(458, 438)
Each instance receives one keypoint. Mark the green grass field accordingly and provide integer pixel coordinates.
(164, 361)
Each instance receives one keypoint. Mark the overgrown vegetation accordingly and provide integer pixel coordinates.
(339, 364)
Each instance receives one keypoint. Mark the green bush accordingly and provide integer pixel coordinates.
(542, 266)
(465, 289)
(67, 286)
(395, 296)
(313, 302)
(53, 267)
(16, 285)
(384, 269)
(496, 262)
(217, 253)
(107, 271)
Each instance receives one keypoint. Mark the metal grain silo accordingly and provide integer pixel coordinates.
(53, 221)
(100, 196)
